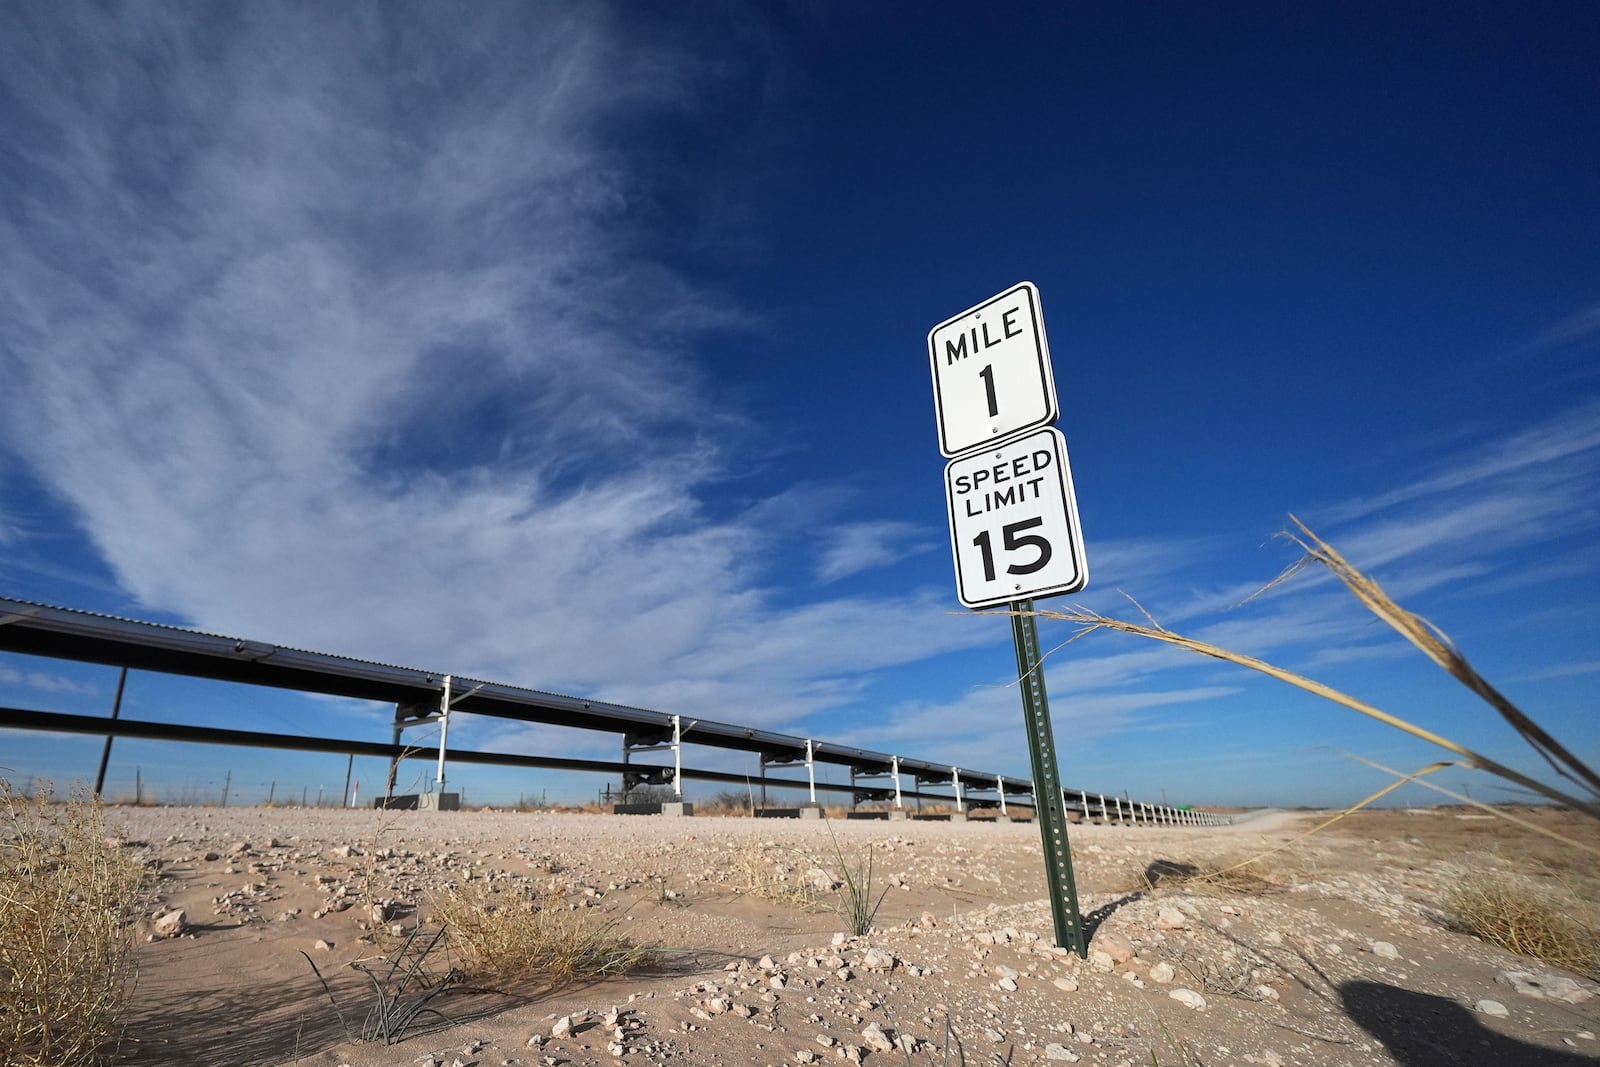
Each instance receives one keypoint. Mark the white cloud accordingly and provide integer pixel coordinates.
(858, 546)
(337, 335)
(45, 682)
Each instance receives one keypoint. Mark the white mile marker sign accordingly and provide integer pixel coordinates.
(991, 371)
(1014, 522)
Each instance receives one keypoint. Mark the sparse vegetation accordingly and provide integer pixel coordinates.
(772, 881)
(69, 897)
(517, 937)
(404, 990)
(1229, 877)
(855, 903)
(1540, 920)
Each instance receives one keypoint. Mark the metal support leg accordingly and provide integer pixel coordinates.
(894, 763)
(1051, 803)
(811, 768)
(955, 777)
(1000, 784)
(444, 728)
(677, 758)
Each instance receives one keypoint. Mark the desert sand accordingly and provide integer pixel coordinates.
(1342, 959)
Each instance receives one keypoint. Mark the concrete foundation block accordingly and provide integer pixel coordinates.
(670, 808)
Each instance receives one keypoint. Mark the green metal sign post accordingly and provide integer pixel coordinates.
(1014, 530)
(1050, 806)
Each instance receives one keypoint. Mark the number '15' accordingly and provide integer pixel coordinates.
(1012, 539)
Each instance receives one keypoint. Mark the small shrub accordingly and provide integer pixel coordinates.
(518, 936)
(69, 897)
(855, 903)
(1542, 922)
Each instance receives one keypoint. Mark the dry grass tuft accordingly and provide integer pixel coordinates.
(1549, 923)
(770, 880)
(522, 937)
(69, 898)
(1249, 877)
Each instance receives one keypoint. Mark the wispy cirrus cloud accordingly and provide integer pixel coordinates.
(45, 682)
(340, 331)
(854, 547)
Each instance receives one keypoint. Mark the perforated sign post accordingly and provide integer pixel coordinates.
(1013, 521)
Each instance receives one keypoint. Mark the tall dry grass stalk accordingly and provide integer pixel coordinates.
(69, 898)
(1415, 629)
(519, 937)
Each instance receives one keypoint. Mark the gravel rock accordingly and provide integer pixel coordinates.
(876, 1039)
(1188, 998)
(171, 923)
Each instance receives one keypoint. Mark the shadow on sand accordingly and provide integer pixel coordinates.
(278, 1022)
(1421, 1030)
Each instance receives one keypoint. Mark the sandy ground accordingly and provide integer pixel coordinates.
(1344, 961)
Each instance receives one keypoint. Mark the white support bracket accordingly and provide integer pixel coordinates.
(675, 746)
(955, 778)
(1000, 787)
(447, 700)
(811, 768)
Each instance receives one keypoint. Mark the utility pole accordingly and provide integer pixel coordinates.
(226, 781)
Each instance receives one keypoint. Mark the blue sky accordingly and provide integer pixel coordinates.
(582, 346)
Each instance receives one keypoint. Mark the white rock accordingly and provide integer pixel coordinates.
(1189, 998)
(1491, 1007)
(1066, 985)
(1170, 918)
(1385, 950)
(877, 960)
(562, 1027)
(172, 923)
(1008, 984)
(1119, 948)
(1054, 1051)
(876, 1039)
(1542, 986)
(1101, 960)
(1162, 972)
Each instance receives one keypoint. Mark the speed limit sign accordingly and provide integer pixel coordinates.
(1014, 522)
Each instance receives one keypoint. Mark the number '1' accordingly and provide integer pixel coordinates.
(987, 374)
